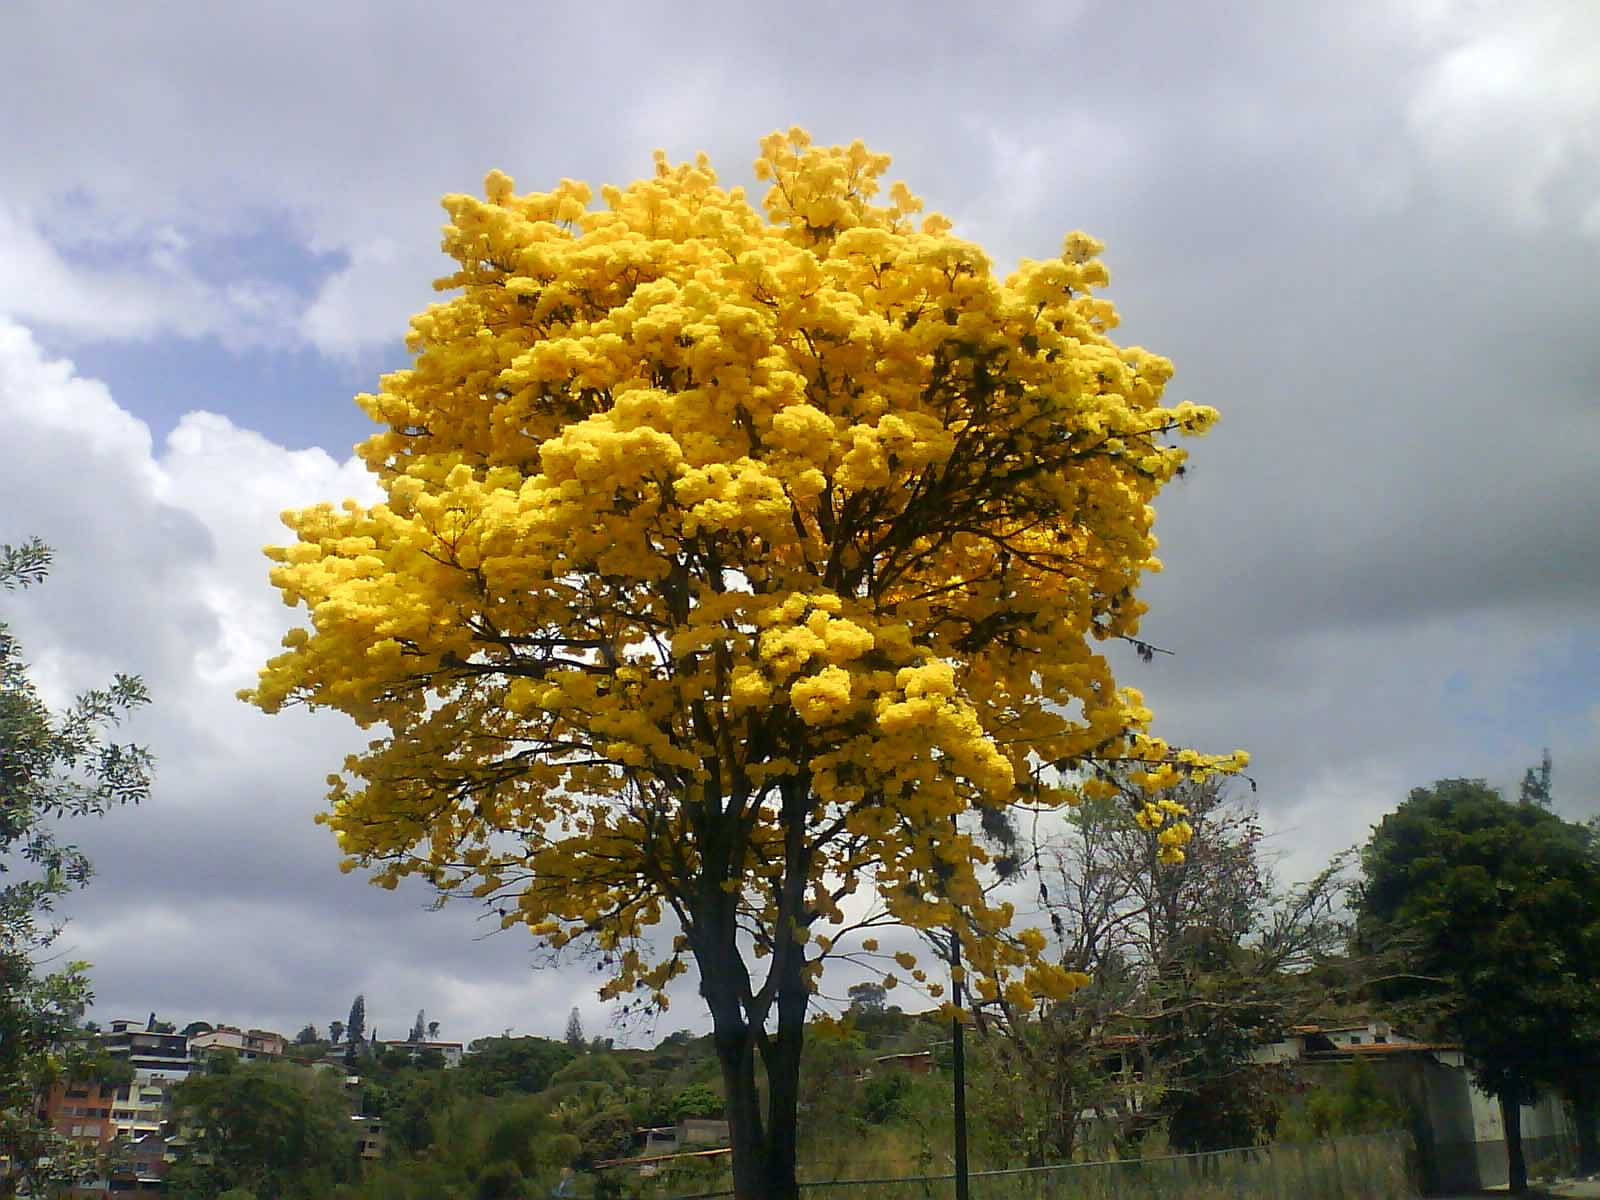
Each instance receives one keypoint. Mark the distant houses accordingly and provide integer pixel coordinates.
(251, 1045)
(449, 1052)
(134, 1118)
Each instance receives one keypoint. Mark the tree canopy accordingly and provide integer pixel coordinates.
(1498, 906)
(273, 1129)
(727, 556)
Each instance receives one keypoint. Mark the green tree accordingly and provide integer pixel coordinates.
(306, 1036)
(278, 1131)
(356, 1028)
(335, 1031)
(419, 1028)
(52, 766)
(575, 1030)
(867, 996)
(513, 1064)
(1498, 905)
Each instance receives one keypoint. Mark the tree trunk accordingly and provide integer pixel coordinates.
(764, 1147)
(1511, 1119)
(1586, 1115)
(783, 1085)
(736, 1055)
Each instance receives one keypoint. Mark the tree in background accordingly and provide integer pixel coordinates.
(1498, 905)
(335, 1031)
(306, 1036)
(868, 996)
(1535, 787)
(724, 558)
(52, 766)
(433, 1031)
(575, 1029)
(419, 1028)
(356, 1028)
(513, 1064)
(271, 1129)
(1191, 966)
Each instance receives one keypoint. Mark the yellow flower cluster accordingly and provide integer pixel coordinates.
(709, 522)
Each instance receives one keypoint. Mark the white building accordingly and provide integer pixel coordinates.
(451, 1052)
(251, 1045)
(160, 1061)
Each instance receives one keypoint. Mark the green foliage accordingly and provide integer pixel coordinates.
(356, 1029)
(884, 1097)
(410, 1105)
(697, 1100)
(867, 996)
(607, 1134)
(593, 1068)
(500, 1181)
(1357, 1104)
(508, 1064)
(52, 766)
(277, 1130)
(1497, 907)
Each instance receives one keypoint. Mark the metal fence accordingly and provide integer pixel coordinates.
(1372, 1167)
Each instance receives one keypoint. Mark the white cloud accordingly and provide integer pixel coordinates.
(219, 899)
(1510, 111)
(154, 291)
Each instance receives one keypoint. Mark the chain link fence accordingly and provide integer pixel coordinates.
(1370, 1167)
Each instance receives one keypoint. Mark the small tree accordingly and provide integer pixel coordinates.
(575, 1037)
(725, 557)
(419, 1028)
(306, 1036)
(335, 1031)
(433, 1031)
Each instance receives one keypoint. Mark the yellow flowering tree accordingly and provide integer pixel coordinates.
(728, 556)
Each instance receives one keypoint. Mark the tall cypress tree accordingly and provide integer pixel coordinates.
(355, 1029)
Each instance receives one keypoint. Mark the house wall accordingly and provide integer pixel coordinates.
(1460, 1139)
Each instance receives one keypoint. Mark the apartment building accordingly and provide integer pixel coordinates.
(82, 1111)
(160, 1061)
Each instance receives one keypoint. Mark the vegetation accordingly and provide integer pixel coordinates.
(1495, 907)
(52, 766)
(277, 1132)
(728, 557)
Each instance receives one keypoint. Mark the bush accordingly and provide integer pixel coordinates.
(607, 1134)
(697, 1100)
(500, 1181)
(884, 1097)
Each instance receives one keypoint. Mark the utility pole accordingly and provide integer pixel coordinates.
(959, 1062)
(958, 1053)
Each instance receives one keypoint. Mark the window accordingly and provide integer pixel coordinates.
(1355, 1039)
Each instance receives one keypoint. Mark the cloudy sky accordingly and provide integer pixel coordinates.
(1368, 233)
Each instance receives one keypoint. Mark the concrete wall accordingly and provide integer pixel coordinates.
(1460, 1139)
